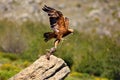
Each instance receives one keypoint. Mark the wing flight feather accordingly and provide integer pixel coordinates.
(56, 18)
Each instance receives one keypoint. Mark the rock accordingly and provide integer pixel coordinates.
(95, 12)
(43, 69)
(3, 8)
(118, 14)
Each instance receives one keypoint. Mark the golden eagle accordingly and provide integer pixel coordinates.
(58, 23)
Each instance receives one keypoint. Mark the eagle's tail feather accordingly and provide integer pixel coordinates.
(48, 36)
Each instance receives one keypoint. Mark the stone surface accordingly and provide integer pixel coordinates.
(43, 69)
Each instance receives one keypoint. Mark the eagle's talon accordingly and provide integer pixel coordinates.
(48, 56)
(52, 50)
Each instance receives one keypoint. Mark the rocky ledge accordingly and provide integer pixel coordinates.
(43, 69)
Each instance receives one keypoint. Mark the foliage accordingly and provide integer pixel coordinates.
(7, 70)
(112, 66)
(91, 54)
(83, 76)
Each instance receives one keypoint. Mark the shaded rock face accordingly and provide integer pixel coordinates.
(43, 69)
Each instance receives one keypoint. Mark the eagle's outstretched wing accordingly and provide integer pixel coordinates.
(58, 23)
(56, 18)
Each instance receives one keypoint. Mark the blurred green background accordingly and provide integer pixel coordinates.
(92, 52)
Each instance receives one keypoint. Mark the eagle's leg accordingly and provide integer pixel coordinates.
(58, 39)
(53, 49)
(56, 43)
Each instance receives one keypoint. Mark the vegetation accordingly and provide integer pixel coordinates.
(88, 55)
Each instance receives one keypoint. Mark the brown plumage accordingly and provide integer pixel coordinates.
(59, 24)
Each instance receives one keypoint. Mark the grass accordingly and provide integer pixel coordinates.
(86, 54)
(83, 76)
(10, 64)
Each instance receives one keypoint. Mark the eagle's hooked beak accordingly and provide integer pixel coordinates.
(71, 30)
